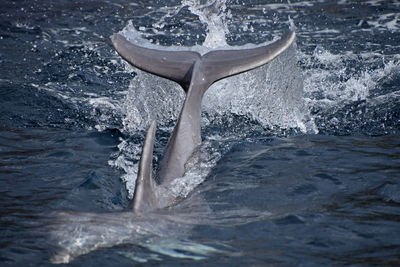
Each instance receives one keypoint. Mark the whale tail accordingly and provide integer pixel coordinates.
(178, 65)
(195, 73)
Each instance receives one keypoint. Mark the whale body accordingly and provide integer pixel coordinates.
(195, 73)
(77, 233)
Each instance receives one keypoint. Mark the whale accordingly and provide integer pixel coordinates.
(195, 73)
(155, 214)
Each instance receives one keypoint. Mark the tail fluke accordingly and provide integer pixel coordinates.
(215, 65)
(145, 198)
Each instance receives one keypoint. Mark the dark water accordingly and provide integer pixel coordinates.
(270, 192)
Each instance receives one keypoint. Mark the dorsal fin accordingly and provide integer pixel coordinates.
(173, 65)
(145, 198)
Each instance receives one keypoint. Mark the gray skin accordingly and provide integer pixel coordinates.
(195, 73)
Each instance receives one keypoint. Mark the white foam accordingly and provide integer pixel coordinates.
(331, 81)
(213, 14)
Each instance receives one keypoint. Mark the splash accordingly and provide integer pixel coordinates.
(348, 98)
(214, 14)
(270, 95)
(330, 78)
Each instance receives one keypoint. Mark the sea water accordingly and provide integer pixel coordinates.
(299, 163)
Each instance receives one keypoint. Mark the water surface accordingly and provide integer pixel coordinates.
(300, 159)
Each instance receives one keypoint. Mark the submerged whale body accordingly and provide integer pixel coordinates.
(78, 233)
(195, 73)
